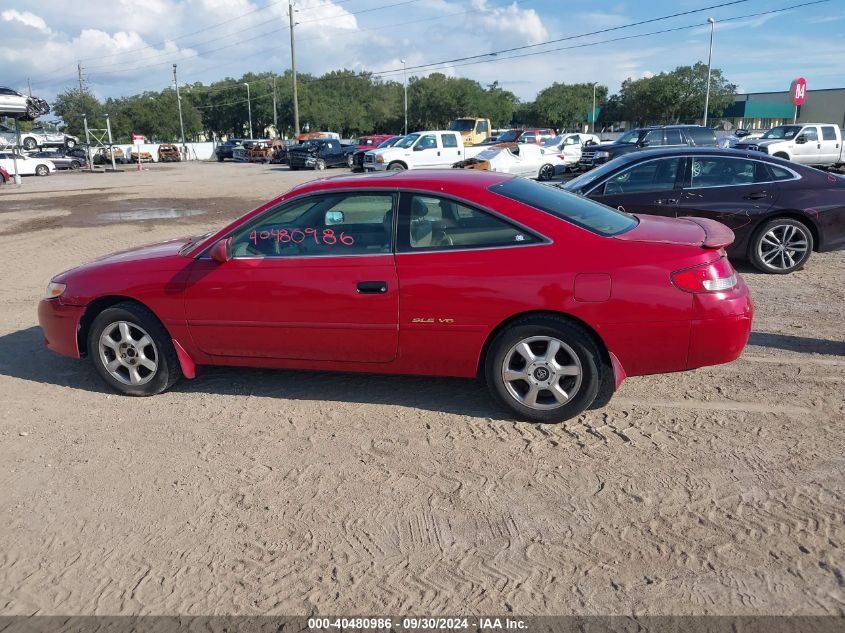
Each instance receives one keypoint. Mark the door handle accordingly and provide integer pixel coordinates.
(757, 195)
(372, 287)
(666, 201)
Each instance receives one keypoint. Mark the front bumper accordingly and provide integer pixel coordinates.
(60, 324)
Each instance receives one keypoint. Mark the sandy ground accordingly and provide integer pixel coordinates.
(717, 491)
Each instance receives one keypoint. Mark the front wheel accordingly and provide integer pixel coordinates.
(42, 170)
(320, 165)
(547, 172)
(350, 161)
(781, 246)
(70, 143)
(544, 369)
(396, 167)
(75, 164)
(132, 351)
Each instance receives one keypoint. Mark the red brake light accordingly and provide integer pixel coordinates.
(715, 276)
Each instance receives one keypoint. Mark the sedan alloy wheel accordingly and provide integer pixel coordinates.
(781, 246)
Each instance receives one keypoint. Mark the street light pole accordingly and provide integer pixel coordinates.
(249, 109)
(593, 116)
(405, 82)
(709, 70)
(293, 71)
(181, 123)
(275, 110)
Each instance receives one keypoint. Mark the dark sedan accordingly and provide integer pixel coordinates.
(780, 211)
(63, 160)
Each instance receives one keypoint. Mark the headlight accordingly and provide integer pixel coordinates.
(54, 290)
(602, 154)
(379, 159)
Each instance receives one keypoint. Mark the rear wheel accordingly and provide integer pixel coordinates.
(29, 144)
(70, 143)
(544, 369)
(350, 161)
(781, 246)
(132, 351)
(75, 164)
(547, 172)
(320, 164)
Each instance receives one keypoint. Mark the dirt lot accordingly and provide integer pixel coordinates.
(715, 491)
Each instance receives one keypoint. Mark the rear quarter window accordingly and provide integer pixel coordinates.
(592, 216)
(701, 137)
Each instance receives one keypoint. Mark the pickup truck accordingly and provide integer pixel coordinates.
(815, 144)
(472, 129)
(648, 137)
(319, 153)
(421, 150)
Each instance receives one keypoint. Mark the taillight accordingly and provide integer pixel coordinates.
(716, 276)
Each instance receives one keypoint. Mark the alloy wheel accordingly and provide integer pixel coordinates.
(542, 372)
(782, 247)
(128, 353)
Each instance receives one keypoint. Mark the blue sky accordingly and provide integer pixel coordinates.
(127, 46)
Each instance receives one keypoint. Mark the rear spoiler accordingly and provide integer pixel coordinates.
(716, 234)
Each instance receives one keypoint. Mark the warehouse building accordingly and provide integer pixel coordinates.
(763, 110)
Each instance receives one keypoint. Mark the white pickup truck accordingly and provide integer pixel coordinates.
(816, 144)
(421, 150)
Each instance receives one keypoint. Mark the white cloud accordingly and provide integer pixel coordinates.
(26, 18)
(513, 22)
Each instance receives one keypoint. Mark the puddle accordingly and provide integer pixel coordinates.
(135, 215)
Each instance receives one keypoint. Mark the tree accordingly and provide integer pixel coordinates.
(564, 106)
(675, 97)
(70, 105)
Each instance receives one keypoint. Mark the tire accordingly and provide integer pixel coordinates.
(350, 162)
(29, 144)
(397, 166)
(547, 172)
(219, 159)
(42, 170)
(320, 165)
(75, 164)
(780, 246)
(133, 323)
(70, 143)
(577, 354)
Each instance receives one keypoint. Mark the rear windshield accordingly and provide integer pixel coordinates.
(582, 212)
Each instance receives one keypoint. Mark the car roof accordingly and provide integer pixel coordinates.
(710, 151)
(433, 179)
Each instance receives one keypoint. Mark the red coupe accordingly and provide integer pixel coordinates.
(552, 297)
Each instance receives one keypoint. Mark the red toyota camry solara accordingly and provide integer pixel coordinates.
(553, 298)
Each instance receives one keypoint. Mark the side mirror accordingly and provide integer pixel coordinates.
(418, 148)
(221, 252)
(801, 139)
(645, 143)
(334, 217)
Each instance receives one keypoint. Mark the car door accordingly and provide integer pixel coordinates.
(732, 190)
(807, 146)
(427, 152)
(310, 279)
(651, 186)
(451, 151)
(831, 144)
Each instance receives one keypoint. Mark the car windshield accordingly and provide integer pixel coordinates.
(585, 181)
(508, 136)
(462, 125)
(409, 140)
(390, 142)
(580, 211)
(782, 131)
(631, 137)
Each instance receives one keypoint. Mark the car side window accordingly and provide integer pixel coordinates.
(429, 141)
(528, 138)
(333, 224)
(779, 173)
(653, 175)
(431, 223)
(673, 137)
(810, 133)
(654, 138)
(718, 171)
(573, 140)
(828, 133)
(450, 140)
(481, 127)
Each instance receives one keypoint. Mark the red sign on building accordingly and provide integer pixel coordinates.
(798, 91)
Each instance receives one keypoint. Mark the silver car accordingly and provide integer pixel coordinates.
(19, 106)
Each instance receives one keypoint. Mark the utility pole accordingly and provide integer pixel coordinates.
(405, 83)
(709, 68)
(293, 72)
(249, 109)
(29, 85)
(275, 110)
(79, 72)
(593, 116)
(181, 123)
